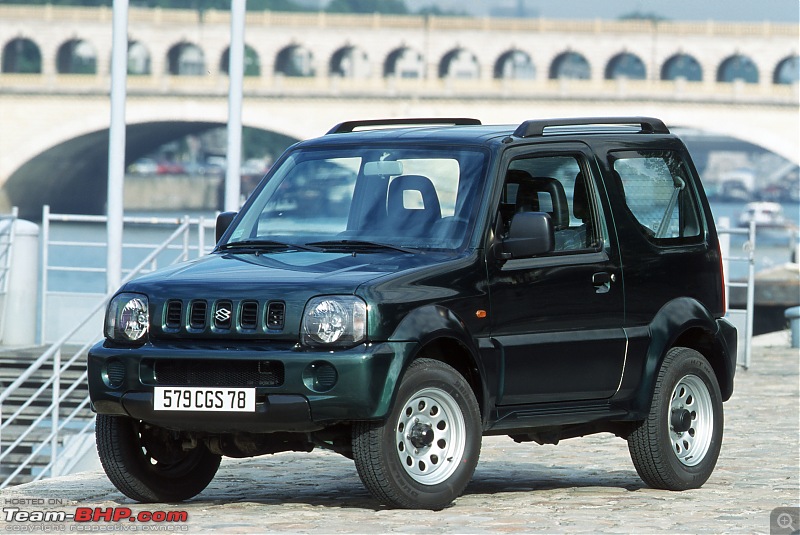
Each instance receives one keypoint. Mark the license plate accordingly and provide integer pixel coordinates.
(192, 398)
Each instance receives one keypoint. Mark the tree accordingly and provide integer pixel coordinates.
(397, 7)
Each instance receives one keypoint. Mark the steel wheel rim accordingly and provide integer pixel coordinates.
(691, 446)
(430, 436)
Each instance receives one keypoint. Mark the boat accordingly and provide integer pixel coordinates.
(765, 214)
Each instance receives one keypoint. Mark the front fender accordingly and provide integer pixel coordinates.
(434, 325)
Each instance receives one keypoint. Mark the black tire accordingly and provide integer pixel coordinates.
(424, 454)
(148, 464)
(677, 446)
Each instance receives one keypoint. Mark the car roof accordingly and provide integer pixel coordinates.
(479, 135)
(472, 132)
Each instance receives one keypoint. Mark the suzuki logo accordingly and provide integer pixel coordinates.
(222, 315)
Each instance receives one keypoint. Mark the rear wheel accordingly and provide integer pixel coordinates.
(425, 453)
(151, 464)
(677, 446)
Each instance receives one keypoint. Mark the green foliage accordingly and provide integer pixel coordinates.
(641, 15)
(200, 5)
(436, 11)
(397, 7)
(393, 7)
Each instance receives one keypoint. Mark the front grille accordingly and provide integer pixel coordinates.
(197, 317)
(237, 373)
(174, 316)
(249, 315)
(276, 311)
(223, 316)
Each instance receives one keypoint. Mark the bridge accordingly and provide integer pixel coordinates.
(305, 72)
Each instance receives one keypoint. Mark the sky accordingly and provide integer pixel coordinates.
(722, 10)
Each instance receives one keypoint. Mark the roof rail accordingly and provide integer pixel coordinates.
(350, 126)
(536, 127)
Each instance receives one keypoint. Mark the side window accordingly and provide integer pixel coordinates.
(559, 186)
(658, 193)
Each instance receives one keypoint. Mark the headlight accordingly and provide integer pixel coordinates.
(334, 321)
(127, 318)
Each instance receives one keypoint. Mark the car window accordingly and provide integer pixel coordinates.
(658, 193)
(563, 187)
(444, 174)
(325, 184)
(401, 196)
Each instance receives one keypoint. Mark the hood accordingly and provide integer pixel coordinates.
(226, 273)
(184, 299)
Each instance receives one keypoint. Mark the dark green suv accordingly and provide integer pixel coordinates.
(396, 289)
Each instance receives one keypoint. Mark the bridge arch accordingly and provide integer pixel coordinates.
(76, 56)
(22, 55)
(787, 71)
(72, 176)
(403, 62)
(459, 63)
(682, 65)
(515, 64)
(350, 62)
(186, 59)
(138, 58)
(738, 67)
(626, 65)
(252, 61)
(570, 64)
(296, 61)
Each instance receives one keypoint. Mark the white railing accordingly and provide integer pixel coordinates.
(742, 318)
(45, 434)
(81, 262)
(6, 246)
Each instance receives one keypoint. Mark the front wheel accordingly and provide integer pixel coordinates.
(424, 454)
(677, 446)
(151, 464)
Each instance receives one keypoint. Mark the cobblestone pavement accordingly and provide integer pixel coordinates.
(583, 485)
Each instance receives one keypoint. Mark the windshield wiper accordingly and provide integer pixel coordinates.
(351, 245)
(265, 244)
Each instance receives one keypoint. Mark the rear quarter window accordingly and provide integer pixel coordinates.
(660, 195)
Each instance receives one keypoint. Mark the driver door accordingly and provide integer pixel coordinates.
(558, 317)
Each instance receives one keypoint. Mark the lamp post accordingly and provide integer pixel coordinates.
(116, 144)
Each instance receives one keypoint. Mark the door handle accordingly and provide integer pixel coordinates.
(602, 281)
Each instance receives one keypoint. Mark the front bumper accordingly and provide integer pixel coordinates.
(121, 382)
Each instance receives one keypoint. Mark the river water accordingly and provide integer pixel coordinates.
(773, 247)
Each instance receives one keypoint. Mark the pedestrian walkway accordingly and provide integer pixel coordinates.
(583, 485)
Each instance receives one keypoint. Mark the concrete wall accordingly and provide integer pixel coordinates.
(173, 192)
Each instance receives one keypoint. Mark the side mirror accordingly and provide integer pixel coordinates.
(530, 234)
(224, 221)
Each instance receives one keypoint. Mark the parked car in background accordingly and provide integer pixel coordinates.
(143, 166)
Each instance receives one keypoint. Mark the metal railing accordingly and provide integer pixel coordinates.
(82, 261)
(749, 248)
(42, 429)
(6, 246)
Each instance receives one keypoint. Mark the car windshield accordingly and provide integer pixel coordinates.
(384, 198)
